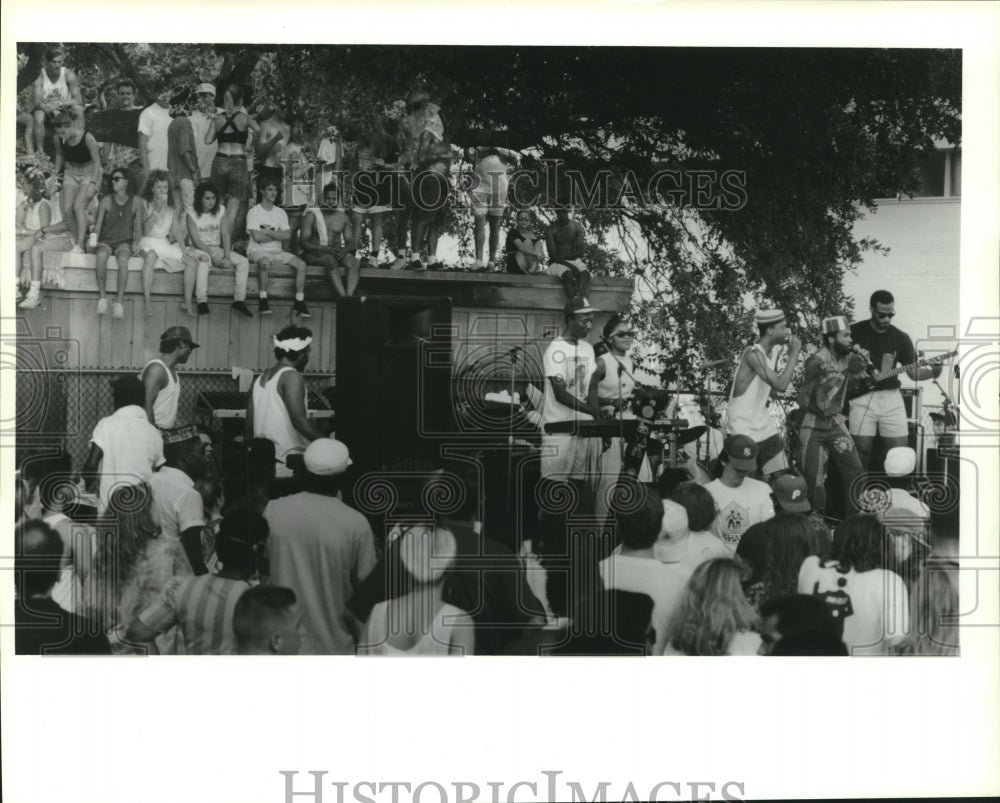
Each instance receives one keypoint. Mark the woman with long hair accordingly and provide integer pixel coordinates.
(869, 602)
(160, 232)
(132, 567)
(115, 230)
(775, 549)
(933, 611)
(212, 246)
(614, 383)
(714, 617)
(229, 168)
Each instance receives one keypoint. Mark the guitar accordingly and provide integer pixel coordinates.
(866, 384)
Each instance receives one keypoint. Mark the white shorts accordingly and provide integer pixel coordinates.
(880, 412)
(273, 257)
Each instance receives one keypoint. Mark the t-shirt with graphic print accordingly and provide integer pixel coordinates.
(740, 507)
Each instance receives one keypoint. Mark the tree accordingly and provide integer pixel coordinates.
(807, 137)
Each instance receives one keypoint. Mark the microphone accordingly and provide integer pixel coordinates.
(621, 369)
(712, 364)
(856, 349)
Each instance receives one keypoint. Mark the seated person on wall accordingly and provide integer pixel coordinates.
(326, 240)
(565, 243)
(56, 89)
(525, 250)
(211, 245)
(115, 233)
(161, 233)
(268, 228)
(33, 212)
(51, 236)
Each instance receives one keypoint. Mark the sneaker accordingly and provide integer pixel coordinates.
(76, 250)
(117, 311)
(33, 300)
(102, 306)
(242, 308)
(398, 264)
(436, 265)
(17, 296)
(417, 265)
(365, 264)
(263, 307)
(203, 308)
(300, 308)
(491, 266)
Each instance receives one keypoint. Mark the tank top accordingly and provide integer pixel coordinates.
(747, 414)
(435, 642)
(117, 225)
(209, 227)
(271, 419)
(165, 403)
(78, 154)
(614, 386)
(228, 132)
(55, 89)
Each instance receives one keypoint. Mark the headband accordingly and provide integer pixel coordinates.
(292, 343)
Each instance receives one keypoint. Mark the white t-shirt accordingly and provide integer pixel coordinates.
(879, 604)
(575, 363)
(661, 582)
(261, 219)
(740, 507)
(177, 505)
(153, 122)
(209, 226)
(131, 446)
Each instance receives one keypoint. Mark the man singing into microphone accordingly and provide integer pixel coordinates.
(882, 412)
(756, 375)
(823, 433)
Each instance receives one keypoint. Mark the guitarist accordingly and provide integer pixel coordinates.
(881, 411)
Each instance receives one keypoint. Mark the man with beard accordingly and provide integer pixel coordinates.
(277, 406)
(159, 376)
(823, 431)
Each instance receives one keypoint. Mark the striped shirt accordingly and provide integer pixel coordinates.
(203, 608)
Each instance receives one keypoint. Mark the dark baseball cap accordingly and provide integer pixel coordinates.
(181, 333)
(792, 493)
(742, 452)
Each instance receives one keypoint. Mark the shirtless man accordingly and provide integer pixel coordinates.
(268, 147)
(756, 376)
(565, 244)
(326, 240)
(54, 89)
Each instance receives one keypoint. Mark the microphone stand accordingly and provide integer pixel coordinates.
(510, 427)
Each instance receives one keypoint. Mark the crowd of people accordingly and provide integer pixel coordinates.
(178, 200)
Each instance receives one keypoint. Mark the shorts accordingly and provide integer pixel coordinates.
(229, 174)
(560, 267)
(487, 200)
(266, 255)
(429, 195)
(372, 192)
(880, 412)
(116, 248)
(78, 175)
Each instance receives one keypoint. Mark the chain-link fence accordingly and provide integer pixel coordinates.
(59, 409)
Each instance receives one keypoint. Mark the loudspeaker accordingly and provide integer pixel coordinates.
(394, 381)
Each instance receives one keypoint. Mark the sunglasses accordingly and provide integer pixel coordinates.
(889, 315)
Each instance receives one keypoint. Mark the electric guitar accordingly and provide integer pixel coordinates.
(866, 384)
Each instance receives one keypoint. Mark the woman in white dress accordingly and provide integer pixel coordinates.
(419, 622)
(161, 244)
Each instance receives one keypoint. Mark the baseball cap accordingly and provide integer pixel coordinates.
(205, 89)
(180, 435)
(900, 461)
(579, 305)
(675, 519)
(327, 457)
(792, 493)
(742, 452)
(181, 333)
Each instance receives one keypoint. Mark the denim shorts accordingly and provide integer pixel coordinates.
(229, 174)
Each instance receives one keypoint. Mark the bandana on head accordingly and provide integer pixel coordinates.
(292, 343)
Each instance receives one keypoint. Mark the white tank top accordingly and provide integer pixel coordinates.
(747, 414)
(165, 403)
(614, 386)
(55, 89)
(271, 419)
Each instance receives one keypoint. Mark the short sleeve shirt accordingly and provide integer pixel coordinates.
(153, 122)
(178, 506)
(260, 219)
(888, 349)
(131, 448)
(575, 363)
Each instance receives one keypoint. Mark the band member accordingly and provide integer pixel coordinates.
(882, 412)
(614, 383)
(569, 462)
(823, 432)
(755, 377)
